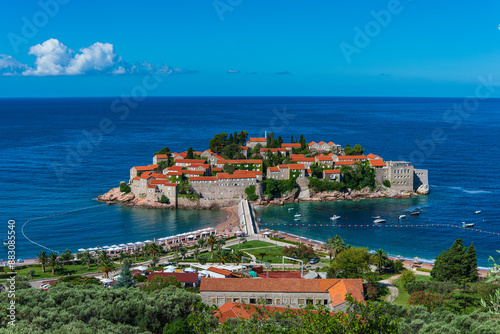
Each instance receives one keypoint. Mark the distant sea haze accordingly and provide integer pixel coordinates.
(58, 154)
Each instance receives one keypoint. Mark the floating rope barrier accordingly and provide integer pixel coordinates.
(48, 216)
(380, 226)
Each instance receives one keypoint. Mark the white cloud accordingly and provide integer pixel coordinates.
(99, 57)
(10, 66)
(53, 58)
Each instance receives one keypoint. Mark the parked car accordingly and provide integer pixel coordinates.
(314, 260)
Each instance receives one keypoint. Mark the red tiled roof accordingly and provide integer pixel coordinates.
(351, 157)
(372, 156)
(339, 291)
(309, 171)
(274, 169)
(216, 169)
(324, 158)
(338, 163)
(220, 271)
(183, 154)
(235, 176)
(199, 165)
(304, 159)
(164, 182)
(177, 168)
(331, 143)
(146, 175)
(296, 166)
(191, 161)
(159, 176)
(268, 285)
(174, 173)
(137, 178)
(145, 168)
(204, 178)
(297, 156)
(181, 277)
(253, 140)
(151, 186)
(218, 157)
(291, 145)
(312, 143)
(377, 162)
(282, 166)
(161, 156)
(332, 171)
(321, 143)
(243, 147)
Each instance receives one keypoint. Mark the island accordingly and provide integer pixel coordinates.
(266, 171)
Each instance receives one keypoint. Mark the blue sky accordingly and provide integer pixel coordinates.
(243, 47)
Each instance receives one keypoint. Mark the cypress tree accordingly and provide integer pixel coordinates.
(291, 140)
(302, 142)
(472, 261)
(190, 154)
(455, 264)
(280, 141)
(230, 139)
(235, 137)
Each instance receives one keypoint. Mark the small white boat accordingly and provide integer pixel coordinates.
(402, 216)
(297, 219)
(477, 212)
(379, 221)
(290, 209)
(466, 225)
(297, 214)
(376, 217)
(334, 217)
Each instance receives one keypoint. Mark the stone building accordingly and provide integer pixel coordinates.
(290, 146)
(134, 171)
(332, 175)
(224, 185)
(324, 161)
(153, 186)
(292, 292)
(252, 142)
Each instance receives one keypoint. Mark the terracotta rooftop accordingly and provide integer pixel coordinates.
(204, 178)
(254, 140)
(274, 169)
(164, 182)
(161, 156)
(291, 145)
(377, 162)
(235, 176)
(296, 166)
(145, 168)
(219, 271)
(273, 149)
(351, 157)
(146, 175)
(324, 158)
(177, 168)
(191, 161)
(304, 159)
(372, 156)
(332, 171)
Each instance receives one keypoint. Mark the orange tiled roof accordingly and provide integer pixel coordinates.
(145, 168)
(136, 178)
(220, 271)
(331, 143)
(352, 157)
(146, 175)
(332, 171)
(164, 182)
(199, 165)
(190, 161)
(291, 145)
(321, 143)
(296, 166)
(338, 163)
(312, 143)
(235, 176)
(216, 169)
(267, 285)
(324, 158)
(304, 159)
(274, 169)
(377, 162)
(204, 178)
(193, 172)
(372, 156)
(282, 166)
(273, 149)
(161, 156)
(218, 157)
(177, 168)
(254, 140)
(151, 186)
(158, 176)
(174, 173)
(339, 291)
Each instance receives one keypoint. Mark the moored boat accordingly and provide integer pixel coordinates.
(466, 225)
(416, 213)
(334, 217)
(379, 221)
(297, 214)
(477, 212)
(402, 216)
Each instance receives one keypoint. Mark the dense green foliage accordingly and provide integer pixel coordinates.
(164, 199)
(316, 171)
(356, 150)
(185, 187)
(319, 185)
(301, 252)
(250, 192)
(228, 147)
(387, 183)
(125, 279)
(275, 188)
(124, 188)
(359, 175)
(407, 277)
(350, 263)
(456, 264)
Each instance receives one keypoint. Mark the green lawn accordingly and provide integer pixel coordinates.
(64, 271)
(403, 295)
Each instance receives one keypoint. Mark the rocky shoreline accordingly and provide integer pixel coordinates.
(114, 196)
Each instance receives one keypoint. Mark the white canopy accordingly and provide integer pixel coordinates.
(190, 236)
(189, 270)
(141, 268)
(114, 246)
(122, 245)
(148, 241)
(266, 233)
(130, 244)
(139, 243)
(105, 280)
(81, 250)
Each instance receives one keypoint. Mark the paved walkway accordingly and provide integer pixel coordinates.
(394, 291)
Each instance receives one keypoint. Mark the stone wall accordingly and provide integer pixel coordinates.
(219, 190)
(421, 177)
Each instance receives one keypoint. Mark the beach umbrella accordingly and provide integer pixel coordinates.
(147, 241)
(138, 243)
(189, 270)
(114, 246)
(122, 245)
(190, 236)
(81, 250)
(106, 247)
(130, 244)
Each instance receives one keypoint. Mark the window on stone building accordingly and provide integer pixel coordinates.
(253, 300)
(220, 300)
(310, 301)
(244, 300)
(302, 301)
(229, 299)
(236, 300)
(269, 301)
(325, 301)
(277, 301)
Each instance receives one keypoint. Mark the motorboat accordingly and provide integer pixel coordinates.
(297, 214)
(376, 217)
(402, 216)
(379, 221)
(5, 242)
(334, 217)
(297, 219)
(290, 209)
(416, 213)
(466, 225)
(477, 212)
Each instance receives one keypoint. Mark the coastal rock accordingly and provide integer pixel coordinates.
(423, 189)
(114, 195)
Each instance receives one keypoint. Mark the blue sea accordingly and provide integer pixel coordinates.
(58, 154)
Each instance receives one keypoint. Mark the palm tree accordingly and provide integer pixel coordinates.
(202, 242)
(335, 245)
(85, 258)
(137, 251)
(53, 262)
(122, 257)
(154, 261)
(380, 259)
(42, 259)
(211, 242)
(262, 254)
(105, 262)
(223, 256)
(154, 249)
(183, 251)
(237, 255)
(196, 252)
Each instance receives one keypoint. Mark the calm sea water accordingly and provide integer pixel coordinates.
(42, 173)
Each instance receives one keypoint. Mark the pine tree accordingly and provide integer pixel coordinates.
(190, 154)
(230, 139)
(125, 279)
(280, 141)
(291, 140)
(302, 142)
(235, 138)
(455, 264)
